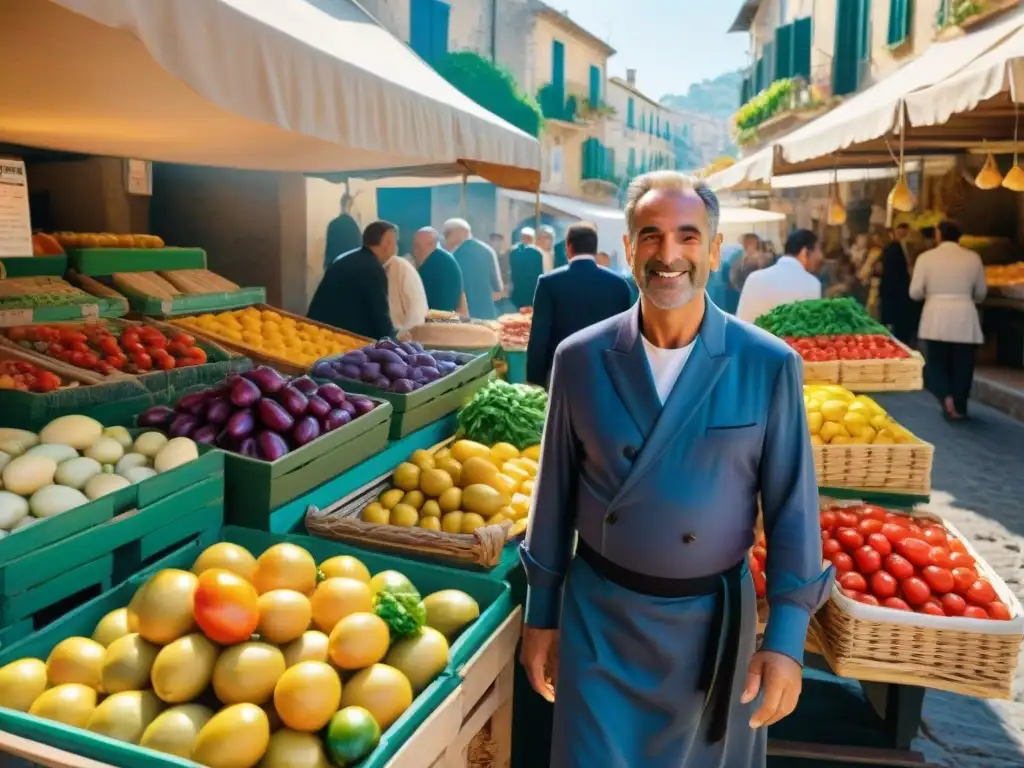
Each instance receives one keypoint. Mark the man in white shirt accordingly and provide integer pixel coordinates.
(791, 278)
(407, 299)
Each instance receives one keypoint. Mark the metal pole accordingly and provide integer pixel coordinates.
(536, 214)
(462, 197)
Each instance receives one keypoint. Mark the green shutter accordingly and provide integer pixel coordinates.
(631, 165)
(802, 34)
(759, 84)
(940, 15)
(558, 71)
(631, 113)
(899, 21)
(643, 122)
(769, 64)
(439, 30)
(746, 89)
(595, 86)
(864, 41)
(850, 30)
(783, 52)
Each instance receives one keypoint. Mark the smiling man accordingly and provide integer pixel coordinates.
(664, 425)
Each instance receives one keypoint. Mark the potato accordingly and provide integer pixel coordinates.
(150, 443)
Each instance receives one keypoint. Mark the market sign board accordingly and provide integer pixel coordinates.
(15, 220)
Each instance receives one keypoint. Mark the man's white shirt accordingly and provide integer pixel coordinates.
(407, 299)
(784, 282)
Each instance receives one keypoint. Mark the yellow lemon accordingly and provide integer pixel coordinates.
(814, 422)
(345, 566)
(855, 423)
(833, 410)
(430, 523)
(375, 513)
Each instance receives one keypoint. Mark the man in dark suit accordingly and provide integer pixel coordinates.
(342, 233)
(526, 265)
(894, 288)
(353, 295)
(571, 298)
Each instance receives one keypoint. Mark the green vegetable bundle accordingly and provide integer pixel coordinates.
(403, 612)
(819, 317)
(505, 413)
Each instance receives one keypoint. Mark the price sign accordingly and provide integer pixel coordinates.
(15, 222)
(90, 311)
(12, 317)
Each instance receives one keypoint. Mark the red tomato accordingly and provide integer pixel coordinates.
(142, 360)
(999, 611)
(894, 532)
(975, 612)
(78, 359)
(850, 539)
(854, 581)
(899, 567)
(915, 550)
(132, 347)
(184, 338)
(869, 525)
(939, 579)
(89, 359)
(117, 361)
(827, 520)
(883, 585)
(981, 592)
(842, 561)
(915, 530)
(830, 547)
(936, 536)
(850, 594)
(868, 600)
(197, 354)
(109, 345)
(955, 545)
(915, 591)
(879, 543)
(961, 560)
(868, 560)
(953, 604)
(226, 606)
(940, 556)
(896, 604)
(871, 512)
(897, 519)
(932, 608)
(153, 338)
(963, 578)
(846, 519)
(165, 362)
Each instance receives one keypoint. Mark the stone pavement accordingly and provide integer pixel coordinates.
(978, 485)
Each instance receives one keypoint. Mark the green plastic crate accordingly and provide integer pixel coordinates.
(33, 411)
(98, 307)
(194, 304)
(493, 596)
(255, 488)
(106, 261)
(35, 266)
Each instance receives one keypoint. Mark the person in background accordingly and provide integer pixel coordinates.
(407, 299)
(870, 275)
(353, 294)
(791, 278)
(528, 236)
(561, 256)
(546, 243)
(571, 298)
(895, 305)
(481, 276)
(497, 242)
(604, 260)
(342, 233)
(439, 272)
(950, 279)
(859, 249)
(526, 264)
(928, 238)
(720, 287)
(754, 258)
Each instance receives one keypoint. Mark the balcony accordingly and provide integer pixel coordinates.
(569, 105)
(780, 107)
(960, 16)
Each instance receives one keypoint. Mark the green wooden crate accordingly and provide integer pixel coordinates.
(33, 411)
(14, 633)
(493, 596)
(255, 488)
(92, 578)
(106, 261)
(68, 313)
(152, 306)
(35, 266)
(404, 423)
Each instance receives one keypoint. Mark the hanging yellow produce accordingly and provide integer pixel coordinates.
(989, 176)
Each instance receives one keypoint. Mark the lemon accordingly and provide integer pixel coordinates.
(452, 522)
(388, 499)
(414, 499)
(431, 523)
(503, 452)
(841, 440)
(884, 437)
(855, 423)
(471, 521)
(346, 566)
(814, 422)
(406, 476)
(831, 429)
(404, 516)
(374, 512)
(816, 440)
(450, 500)
(833, 410)
(337, 598)
(430, 509)
(422, 459)
(879, 422)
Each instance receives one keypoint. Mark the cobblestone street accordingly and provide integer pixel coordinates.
(978, 485)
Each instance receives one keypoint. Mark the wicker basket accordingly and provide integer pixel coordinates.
(811, 645)
(974, 657)
(901, 468)
(904, 374)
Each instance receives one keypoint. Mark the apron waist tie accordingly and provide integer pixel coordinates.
(718, 672)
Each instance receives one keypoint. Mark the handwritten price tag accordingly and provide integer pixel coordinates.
(90, 311)
(12, 317)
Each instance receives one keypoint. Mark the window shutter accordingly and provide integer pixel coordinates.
(802, 36)
(558, 72)
(758, 76)
(420, 22)
(899, 21)
(864, 40)
(643, 122)
(784, 52)
(439, 29)
(595, 86)
(631, 165)
(846, 63)
(769, 64)
(631, 113)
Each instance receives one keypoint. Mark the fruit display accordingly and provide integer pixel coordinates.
(46, 245)
(869, 346)
(452, 332)
(514, 333)
(73, 460)
(41, 292)
(104, 348)
(26, 377)
(820, 317)
(460, 488)
(106, 240)
(259, 413)
(145, 284)
(391, 366)
(505, 413)
(271, 660)
(273, 333)
(1005, 275)
(836, 416)
(906, 563)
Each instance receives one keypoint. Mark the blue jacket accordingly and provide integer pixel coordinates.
(526, 265)
(672, 491)
(569, 299)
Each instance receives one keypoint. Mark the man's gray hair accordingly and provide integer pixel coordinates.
(430, 231)
(457, 224)
(547, 229)
(672, 181)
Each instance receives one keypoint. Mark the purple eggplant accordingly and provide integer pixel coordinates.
(416, 346)
(388, 344)
(249, 447)
(381, 382)
(240, 425)
(348, 408)
(324, 370)
(244, 393)
(395, 371)
(318, 406)
(306, 431)
(293, 401)
(183, 425)
(267, 379)
(443, 357)
(305, 385)
(423, 360)
(464, 358)
(192, 403)
(336, 418)
(416, 374)
(348, 371)
(159, 416)
(273, 416)
(332, 393)
(402, 386)
(205, 435)
(382, 356)
(430, 374)
(363, 405)
(445, 367)
(271, 445)
(218, 411)
(408, 348)
(369, 371)
(356, 357)
(417, 385)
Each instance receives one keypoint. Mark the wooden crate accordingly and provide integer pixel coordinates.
(902, 468)
(450, 737)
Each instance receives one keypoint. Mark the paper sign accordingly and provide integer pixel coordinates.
(12, 317)
(15, 220)
(90, 311)
(139, 177)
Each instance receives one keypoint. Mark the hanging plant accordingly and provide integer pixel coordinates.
(493, 88)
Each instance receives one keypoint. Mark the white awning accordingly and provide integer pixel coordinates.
(739, 215)
(280, 86)
(841, 176)
(746, 172)
(576, 209)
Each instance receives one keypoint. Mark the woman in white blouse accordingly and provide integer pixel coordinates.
(950, 279)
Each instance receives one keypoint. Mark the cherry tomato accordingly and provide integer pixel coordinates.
(915, 530)
(999, 611)
(868, 599)
(155, 339)
(940, 556)
(953, 604)
(939, 579)
(899, 566)
(197, 354)
(981, 592)
(827, 520)
(143, 361)
(185, 339)
(846, 519)
(89, 359)
(850, 539)
(915, 550)
(868, 560)
(883, 585)
(130, 336)
(78, 359)
(842, 561)
(963, 579)
(961, 560)
(955, 545)
(894, 532)
(165, 362)
(871, 512)
(869, 525)
(936, 536)
(932, 608)
(850, 594)
(117, 362)
(896, 604)
(915, 591)
(830, 547)
(975, 612)
(226, 606)
(896, 518)
(853, 580)
(132, 347)
(108, 345)
(879, 543)
(177, 349)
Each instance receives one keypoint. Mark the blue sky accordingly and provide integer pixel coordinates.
(671, 43)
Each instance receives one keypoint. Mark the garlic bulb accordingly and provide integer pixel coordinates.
(901, 198)
(1014, 180)
(989, 176)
